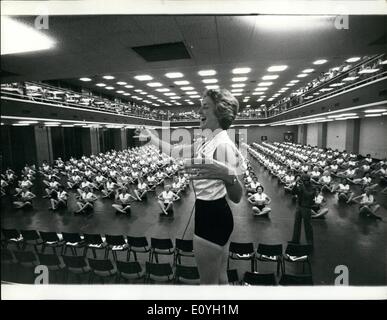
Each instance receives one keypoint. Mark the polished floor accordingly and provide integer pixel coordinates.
(342, 238)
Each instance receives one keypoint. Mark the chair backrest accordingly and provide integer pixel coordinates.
(241, 247)
(100, 265)
(49, 236)
(184, 245)
(158, 269)
(25, 256)
(30, 234)
(187, 272)
(266, 279)
(10, 233)
(71, 237)
(137, 241)
(162, 244)
(296, 280)
(93, 238)
(232, 276)
(270, 249)
(49, 259)
(74, 261)
(128, 267)
(114, 240)
(298, 250)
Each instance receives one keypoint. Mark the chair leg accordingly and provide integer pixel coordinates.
(252, 265)
(64, 249)
(43, 248)
(85, 251)
(128, 256)
(54, 250)
(157, 258)
(94, 253)
(106, 253)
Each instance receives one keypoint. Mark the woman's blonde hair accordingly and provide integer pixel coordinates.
(226, 106)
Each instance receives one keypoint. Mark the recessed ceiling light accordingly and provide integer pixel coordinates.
(195, 96)
(261, 89)
(129, 86)
(373, 115)
(264, 84)
(175, 97)
(120, 91)
(205, 73)
(302, 75)
(271, 99)
(67, 125)
(342, 115)
(52, 123)
(28, 122)
(241, 70)
(143, 77)
(326, 89)
(143, 92)
(122, 83)
(277, 68)
(191, 103)
(85, 79)
(294, 81)
(126, 94)
(270, 77)
(307, 70)
(337, 84)
(168, 94)
(375, 110)
(290, 84)
(320, 61)
(100, 85)
(237, 94)
(258, 93)
(210, 80)
(20, 124)
(239, 79)
(108, 77)
(17, 37)
(163, 90)
(191, 92)
(371, 70)
(181, 82)
(354, 59)
(137, 90)
(187, 88)
(215, 86)
(174, 75)
(154, 84)
(236, 90)
(350, 78)
(238, 85)
(109, 88)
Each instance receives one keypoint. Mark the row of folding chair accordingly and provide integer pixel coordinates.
(294, 253)
(94, 242)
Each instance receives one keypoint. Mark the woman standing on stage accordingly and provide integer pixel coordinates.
(216, 176)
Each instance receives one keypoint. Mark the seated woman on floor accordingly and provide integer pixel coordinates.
(260, 200)
(86, 202)
(252, 187)
(166, 199)
(123, 201)
(289, 180)
(343, 191)
(142, 189)
(99, 181)
(315, 175)
(25, 199)
(25, 183)
(318, 209)
(109, 188)
(326, 182)
(368, 206)
(53, 185)
(58, 199)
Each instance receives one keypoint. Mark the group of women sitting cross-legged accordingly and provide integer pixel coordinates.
(114, 174)
(350, 176)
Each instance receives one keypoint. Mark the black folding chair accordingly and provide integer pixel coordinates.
(12, 236)
(93, 242)
(52, 261)
(114, 244)
(137, 245)
(50, 239)
(183, 248)
(73, 241)
(129, 270)
(298, 253)
(103, 269)
(187, 274)
(76, 265)
(259, 279)
(232, 276)
(296, 280)
(241, 251)
(26, 258)
(31, 237)
(7, 256)
(160, 272)
(160, 247)
(270, 253)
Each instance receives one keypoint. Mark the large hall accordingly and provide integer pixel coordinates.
(97, 112)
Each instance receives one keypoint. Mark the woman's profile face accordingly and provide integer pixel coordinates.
(208, 119)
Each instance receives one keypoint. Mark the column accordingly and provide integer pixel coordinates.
(43, 143)
(322, 135)
(352, 135)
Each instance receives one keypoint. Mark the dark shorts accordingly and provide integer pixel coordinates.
(213, 220)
